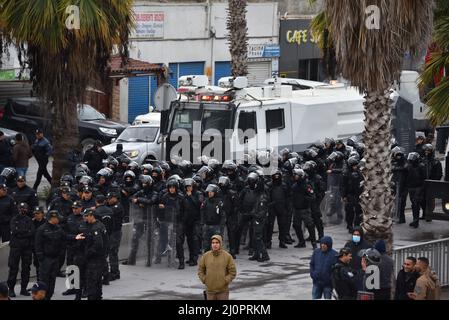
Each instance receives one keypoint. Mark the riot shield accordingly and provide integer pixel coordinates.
(142, 233)
(332, 204)
(167, 237)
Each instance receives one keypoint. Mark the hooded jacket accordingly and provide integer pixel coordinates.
(356, 262)
(322, 262)
(217, 269)
(428, 286)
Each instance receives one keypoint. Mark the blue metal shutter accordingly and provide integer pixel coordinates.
(138, 100)
(153, 88)
(222, 69)
(174, 74)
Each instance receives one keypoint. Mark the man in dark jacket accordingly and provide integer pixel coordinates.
(21, 243)
(344, 278)
(399, 176)
(7, 211)
(94, 157)
(24, 194)
(406, 279)
(356, 244)
(5, 152)
(49, 243)
(352, 190)
(386, 269)
(95, 244)
(416, 175)
(321, 269)
(116, 236)
(434, 171)
(42, 149)
(21, 152)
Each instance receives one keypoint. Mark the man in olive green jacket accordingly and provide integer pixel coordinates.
(216, 270)
(427, 286)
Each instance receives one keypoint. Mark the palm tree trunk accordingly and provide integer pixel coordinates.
(237, 37)
(377, 200)
(65, 138)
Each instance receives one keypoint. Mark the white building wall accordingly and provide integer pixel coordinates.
(197, 32)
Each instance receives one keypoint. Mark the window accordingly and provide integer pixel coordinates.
(216, 119)
(138, 134)
(184, 119)
(88, 113)
(275, 119)
(247, 121)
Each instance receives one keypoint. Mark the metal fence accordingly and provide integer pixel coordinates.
(436, 251)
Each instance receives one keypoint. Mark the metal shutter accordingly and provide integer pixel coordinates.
(222, 69)
(14, 89)
(258, 72)
(139, 95)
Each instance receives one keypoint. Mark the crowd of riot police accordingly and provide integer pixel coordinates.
(82, 224)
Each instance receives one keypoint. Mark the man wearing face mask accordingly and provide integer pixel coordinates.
(356, 244)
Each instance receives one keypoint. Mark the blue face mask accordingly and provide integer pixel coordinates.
(356, 239)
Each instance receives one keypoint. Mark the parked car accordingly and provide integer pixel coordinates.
(140, 142)
(151, 117)
(28, 114)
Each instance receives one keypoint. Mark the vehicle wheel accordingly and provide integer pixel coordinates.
(87, 144)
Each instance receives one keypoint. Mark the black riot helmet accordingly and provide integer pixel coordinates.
(67, 178)
(309, 167)
(352, 141)
(372, 256)
(173, 183)
(198, 180)
(413, 157)
(284, 153)
(186, 167)
(82, 167)
(165, 168)
(252, 179)
(146, 168)
(354, 154)
(23, 206)
(213, 164)
(9, 175)
(189, 182)
(276, 174)
(398, 153)
(224, 182)
(106, 173)
(156, 172)
(428, 148)
(329, 143)
(310, 154)
(112, 163)
(212, 188)
(290, 164)
(353, 162)
(87, 181)
(299, 173)
(124, 160)
(145, 181)
(204, 172)
(129, 174)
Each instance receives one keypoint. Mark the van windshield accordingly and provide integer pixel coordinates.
(211, 117)
(88, 113)
(138, 134)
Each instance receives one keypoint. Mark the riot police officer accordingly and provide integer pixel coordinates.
(7, 211)
(278, 207)
(399, 176)
(104, 177)
(319, 188)
(302, 196)
(351, 193)
(212, 214)
(22, 233)
(230, 204)
(49, 243)
(87, 199)
(171, 213)
(415, 177)
(434, 171)
(230, 169)
(72, 228)
(128, 188)
(116, 236)
(38, 220)
(191, 204)
(24, 194)
(104, 214)
(145, 198)
(95, 245)
(62, 204)
(8, 176)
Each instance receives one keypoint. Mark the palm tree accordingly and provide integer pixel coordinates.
(438, 98)
(63, 61)
(371, 60)
(237, 37)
